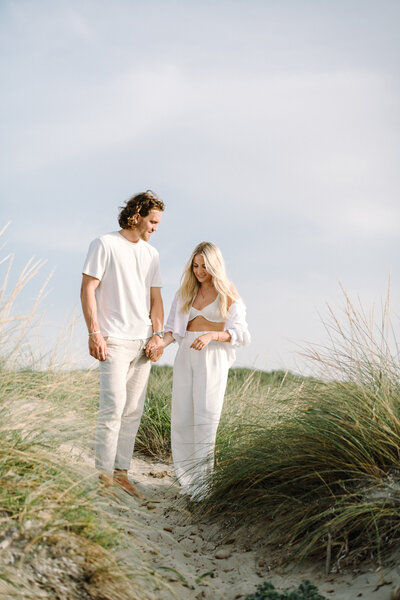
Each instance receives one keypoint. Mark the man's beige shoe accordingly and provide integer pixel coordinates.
(121, 479)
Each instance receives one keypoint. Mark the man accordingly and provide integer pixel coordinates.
(123, 310)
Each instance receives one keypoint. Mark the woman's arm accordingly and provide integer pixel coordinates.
(236, 324)
(169, 325)
(236, 331)
(168, 338)
(212, 336)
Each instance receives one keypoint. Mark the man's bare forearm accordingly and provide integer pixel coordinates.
(89, 306)
(156, 310)
(97, 344)
(155, 346)
(157, 318)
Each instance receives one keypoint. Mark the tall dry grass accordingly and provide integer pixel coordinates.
(316, 462)
(154, 435)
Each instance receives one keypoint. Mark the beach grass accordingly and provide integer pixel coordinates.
(57, 534)
(315, 463)
(154, 435)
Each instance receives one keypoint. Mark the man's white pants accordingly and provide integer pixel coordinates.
(198, 389)
(123, 383)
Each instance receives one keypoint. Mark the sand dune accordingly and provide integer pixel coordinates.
(203, 560)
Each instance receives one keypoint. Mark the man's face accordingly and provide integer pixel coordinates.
(146, 225)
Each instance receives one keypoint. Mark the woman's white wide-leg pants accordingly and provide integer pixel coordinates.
(199, 383)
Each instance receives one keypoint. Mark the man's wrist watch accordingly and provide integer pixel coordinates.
(159, 333)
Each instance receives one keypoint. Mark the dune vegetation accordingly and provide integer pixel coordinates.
(315, 462)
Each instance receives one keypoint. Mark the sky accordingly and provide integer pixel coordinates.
(270, 128)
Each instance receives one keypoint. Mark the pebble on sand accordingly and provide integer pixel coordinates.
(223, 553)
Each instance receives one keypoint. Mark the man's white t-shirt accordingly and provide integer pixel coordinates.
(126, 271)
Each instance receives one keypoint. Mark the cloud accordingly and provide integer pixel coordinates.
(61, 235)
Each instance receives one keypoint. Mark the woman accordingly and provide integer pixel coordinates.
(208, 319)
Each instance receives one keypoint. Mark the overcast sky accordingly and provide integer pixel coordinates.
(269, 127)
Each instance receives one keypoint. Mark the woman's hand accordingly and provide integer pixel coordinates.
(154, 348)
(202, 341)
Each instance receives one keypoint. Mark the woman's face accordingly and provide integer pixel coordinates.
(199, 269)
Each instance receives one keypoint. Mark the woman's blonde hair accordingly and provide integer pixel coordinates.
(215, 266)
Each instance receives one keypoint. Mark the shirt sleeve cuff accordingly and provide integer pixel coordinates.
(234, 337)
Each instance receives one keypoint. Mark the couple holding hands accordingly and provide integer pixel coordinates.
(123, 310)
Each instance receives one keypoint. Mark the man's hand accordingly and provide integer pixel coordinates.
(154, 348)
(97, 346)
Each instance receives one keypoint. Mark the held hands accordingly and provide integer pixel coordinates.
(202, 341)
(97, 346)
(154, 348)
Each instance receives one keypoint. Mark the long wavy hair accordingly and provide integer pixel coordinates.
(215, 266)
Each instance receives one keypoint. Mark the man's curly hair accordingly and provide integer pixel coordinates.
(140, 204)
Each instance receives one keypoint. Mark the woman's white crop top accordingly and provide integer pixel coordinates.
(210, 312)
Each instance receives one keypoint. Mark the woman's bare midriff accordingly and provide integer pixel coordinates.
(201, 324)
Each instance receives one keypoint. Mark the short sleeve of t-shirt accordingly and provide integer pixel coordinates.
(96, 260)
(156, 278)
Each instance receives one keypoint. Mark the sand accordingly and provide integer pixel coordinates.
(203, 560)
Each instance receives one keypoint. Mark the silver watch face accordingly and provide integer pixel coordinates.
(159, 333)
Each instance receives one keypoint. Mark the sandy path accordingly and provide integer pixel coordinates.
(173, 539)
